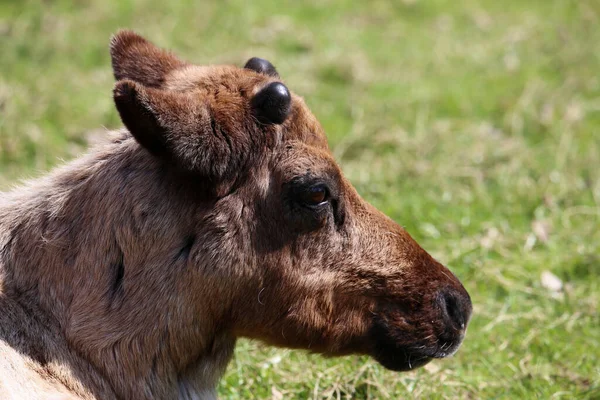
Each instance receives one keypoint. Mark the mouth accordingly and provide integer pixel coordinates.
(402, 361)
(398, 355)
(406, 359)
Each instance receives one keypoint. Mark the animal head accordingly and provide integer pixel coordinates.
(279, 245)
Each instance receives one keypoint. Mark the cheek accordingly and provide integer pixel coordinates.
(303, 221)
(325, 314)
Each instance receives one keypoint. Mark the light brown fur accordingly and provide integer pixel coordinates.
(130, 272)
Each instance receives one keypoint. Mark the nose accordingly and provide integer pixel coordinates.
(455, 306)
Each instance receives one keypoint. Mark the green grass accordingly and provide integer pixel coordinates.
(475, 124)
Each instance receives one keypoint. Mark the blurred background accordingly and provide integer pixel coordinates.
(475, 124)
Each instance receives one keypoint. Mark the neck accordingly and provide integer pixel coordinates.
(88, 243)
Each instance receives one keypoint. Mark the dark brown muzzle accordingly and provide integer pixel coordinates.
(428, 324)
(455, 310)
(455, 307)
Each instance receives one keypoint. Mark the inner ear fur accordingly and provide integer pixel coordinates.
(179, 128)
(139, 60)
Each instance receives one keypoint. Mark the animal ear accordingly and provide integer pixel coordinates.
(272, 104)
(165, 122)
(137, 59)
(177, 127)
(261, 66)
(140, 115)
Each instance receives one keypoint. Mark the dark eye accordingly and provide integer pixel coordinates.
(314, 195)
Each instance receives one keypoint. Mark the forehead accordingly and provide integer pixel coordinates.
(215, 77)
(301, 125)
(301, 159)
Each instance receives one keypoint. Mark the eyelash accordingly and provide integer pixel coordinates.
(314, 195)
(316, 210)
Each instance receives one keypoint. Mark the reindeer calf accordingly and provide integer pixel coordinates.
(218, 213)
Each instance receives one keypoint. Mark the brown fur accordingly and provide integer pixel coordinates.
(130, 272)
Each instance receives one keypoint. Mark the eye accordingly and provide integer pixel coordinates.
(314, 195)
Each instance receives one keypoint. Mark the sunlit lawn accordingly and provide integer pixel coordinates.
(474, 124)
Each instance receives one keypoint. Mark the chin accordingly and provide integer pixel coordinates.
(401, 361)
(396, 353)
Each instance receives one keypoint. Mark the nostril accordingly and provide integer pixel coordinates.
(455, 307)
(453, 311)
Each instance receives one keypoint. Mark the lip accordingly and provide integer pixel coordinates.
(448, 349)
(402, 361)
(409, 355)
(398, 359)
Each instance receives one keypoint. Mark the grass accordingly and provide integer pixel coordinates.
(475, 124)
